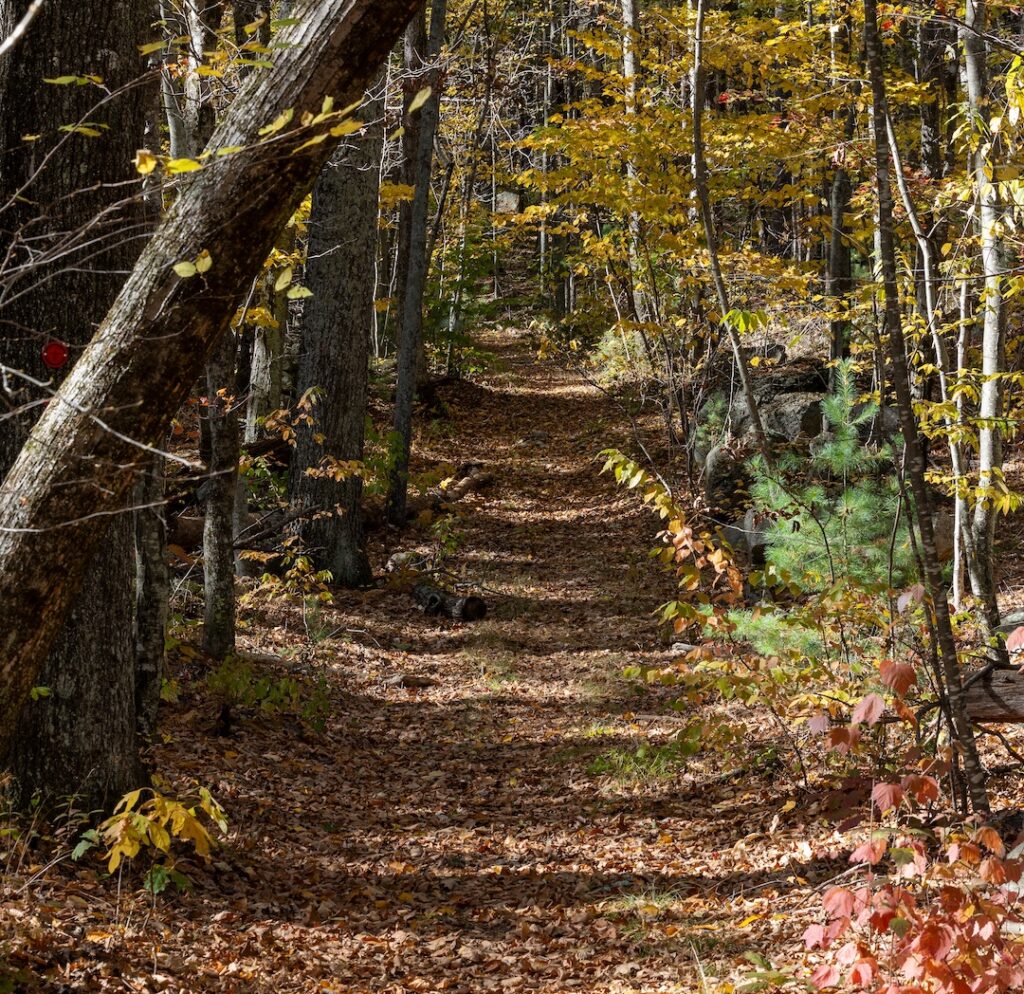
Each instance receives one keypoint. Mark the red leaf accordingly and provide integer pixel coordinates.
(898, 677)
(863, 973)
(869, 710)
(819, 723)
(1015, 640)
(887, 796)
(825, 976)
(990, 839)
(843, 738)
(870, 852)
(848, 954)
(992, 871)
(814, 936)
(839, 902)
(921, 788)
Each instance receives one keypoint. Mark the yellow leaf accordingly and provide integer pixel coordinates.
(153, 46)
(282, 120)
(419, 100)
(182, 166)
(349, 127)
(299, 293)
(185, 269)
(145, 161)
(788, 806)
(283, 279)
(203, 262)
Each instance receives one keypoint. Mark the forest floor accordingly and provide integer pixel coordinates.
(498, 830)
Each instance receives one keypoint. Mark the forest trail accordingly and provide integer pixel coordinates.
(456, 838)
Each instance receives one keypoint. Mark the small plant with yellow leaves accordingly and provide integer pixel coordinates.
(147, 821)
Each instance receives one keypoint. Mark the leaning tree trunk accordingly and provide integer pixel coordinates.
(410, 343)
(70, 230)
(916, 465)
(84, 453)
(336, 322)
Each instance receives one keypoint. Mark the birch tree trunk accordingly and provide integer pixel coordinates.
(83, 455)
(994, 260)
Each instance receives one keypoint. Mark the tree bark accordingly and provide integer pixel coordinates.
(336, 324)
(916, 468)
(82, 456)
(71, 231)
(221, 489)
(410, 341)
(994, 259)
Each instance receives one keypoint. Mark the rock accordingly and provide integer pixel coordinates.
(726, 480)
(791, 377)
(756, 525)
(883, 425)
(1012, 621)
(793, 415)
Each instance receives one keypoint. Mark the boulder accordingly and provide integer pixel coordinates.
(883, 425)
(1012, 620)
(726, 480)
(748, 537)
(793, 415)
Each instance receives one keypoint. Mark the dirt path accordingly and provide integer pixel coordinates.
(457, 838)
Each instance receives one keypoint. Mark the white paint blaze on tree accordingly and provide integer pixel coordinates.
(84, 454)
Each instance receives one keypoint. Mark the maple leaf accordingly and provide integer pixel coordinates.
(825, 975)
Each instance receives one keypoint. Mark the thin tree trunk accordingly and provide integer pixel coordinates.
(221, 489)
(82, 457)
(711, 235)
(950, 665)
(410, 341)
(994, 259)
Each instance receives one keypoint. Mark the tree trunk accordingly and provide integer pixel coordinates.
(995, 263)
(916, 468)
(70, 235)
(221, 489)
(152, 593)
(411, 335)
(82, 457)
(336, 324)
(700, 169)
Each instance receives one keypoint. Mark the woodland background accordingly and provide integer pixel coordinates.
(330, 660)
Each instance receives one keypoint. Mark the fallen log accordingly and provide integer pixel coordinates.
(997, 697)
(435, 600)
